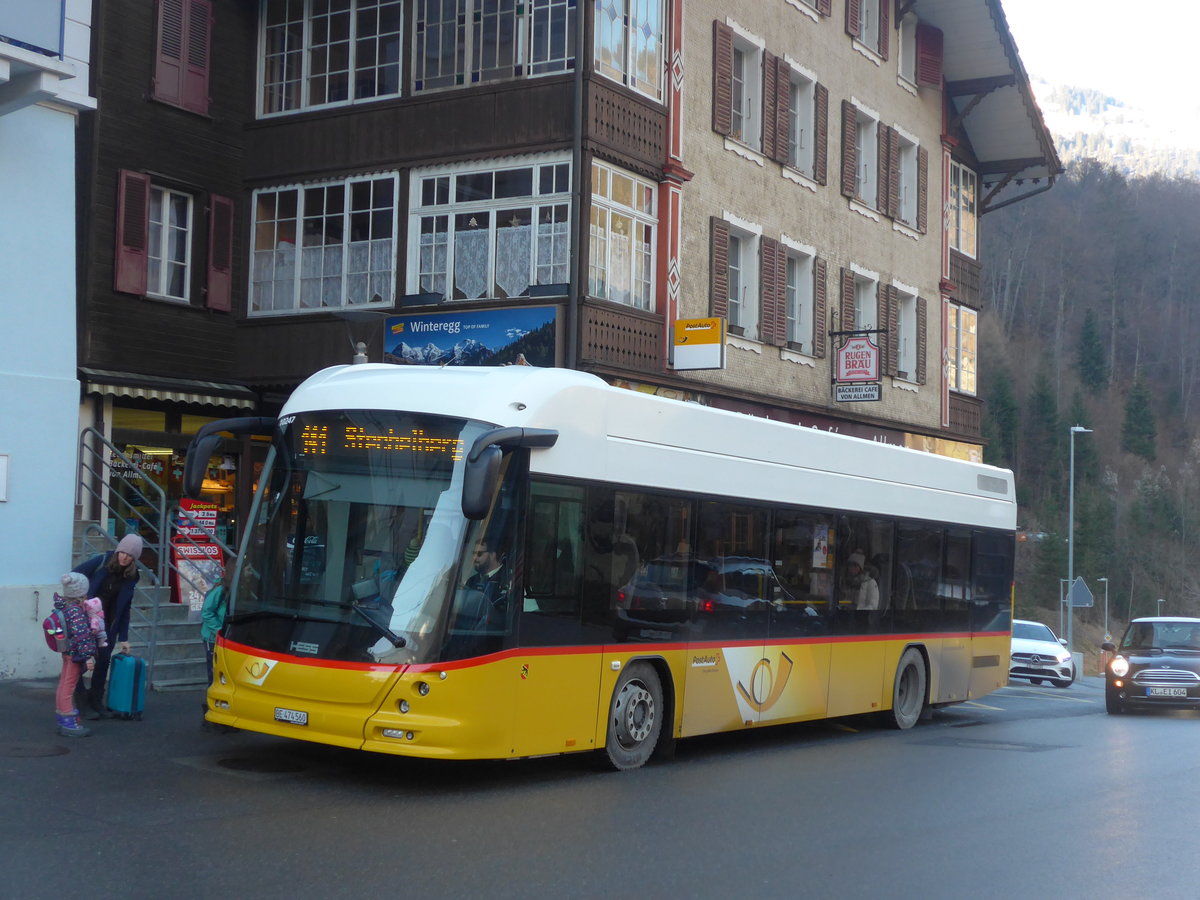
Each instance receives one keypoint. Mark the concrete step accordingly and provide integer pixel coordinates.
(176, 674)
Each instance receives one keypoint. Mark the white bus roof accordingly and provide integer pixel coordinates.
(610, 434)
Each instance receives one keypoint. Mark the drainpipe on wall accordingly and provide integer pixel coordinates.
(573, 304)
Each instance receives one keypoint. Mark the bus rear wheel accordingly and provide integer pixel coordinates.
(634, 717)
(908, 690)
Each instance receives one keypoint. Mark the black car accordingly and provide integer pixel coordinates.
(1156, 665)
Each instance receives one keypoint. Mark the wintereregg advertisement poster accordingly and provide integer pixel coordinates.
(486, 337)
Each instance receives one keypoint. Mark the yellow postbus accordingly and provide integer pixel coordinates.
(469, 563)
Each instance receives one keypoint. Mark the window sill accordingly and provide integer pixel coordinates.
(906, 230)
(744, 151)
(868, 52)
(800, 178)
(797, 357)
(903, 384)
(865, 211)
(803, 7)
(740, 343)
(907, 85)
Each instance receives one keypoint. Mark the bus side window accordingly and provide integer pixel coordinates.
(552, 552)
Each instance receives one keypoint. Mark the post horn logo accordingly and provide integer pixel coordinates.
(765, 688)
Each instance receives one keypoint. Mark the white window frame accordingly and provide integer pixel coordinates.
(434, 196)
(907, 192)
(868, 24)
(866, 145)
(798, 296)
(962, 349)
(744, 297)
(620, 267)
(298, 256)
(534, 53)
(802, 119)
(619, 31)
(907, 62)
(906, 337)
(311, 49)
(746, 95)
(962, 214)
(866, 300)
(162, 236)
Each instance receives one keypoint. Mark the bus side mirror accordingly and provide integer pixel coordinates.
(480, 477)
(1109, 646)
(206, 441)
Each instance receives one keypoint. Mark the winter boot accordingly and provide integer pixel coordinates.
(68, 725)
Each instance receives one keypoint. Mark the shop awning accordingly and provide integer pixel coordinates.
(178, 390)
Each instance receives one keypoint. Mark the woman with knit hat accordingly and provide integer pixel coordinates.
(80, 652)
(111, 577)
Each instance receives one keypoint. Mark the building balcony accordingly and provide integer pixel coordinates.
(617, 337)
(966, 415)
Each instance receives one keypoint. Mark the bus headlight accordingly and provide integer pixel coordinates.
(1119, 666)
(403, 706)
(422, 688)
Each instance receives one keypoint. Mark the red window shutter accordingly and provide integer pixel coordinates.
(922, 326)
(719, 267)
(220, 253)
(820, 304)
(768, 290)
(847, 322)
(825, 7)
(885, 26)
(821, 148)
(922, 189)
(133, 223)
(770, 101)
(883, 167)
(722, 103)
(853, 15)
(199, 43)
(168, 66)
(849, 149)
(929, 56)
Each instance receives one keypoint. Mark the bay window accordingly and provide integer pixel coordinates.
(629, 43)
(961, 348)
(621, 248)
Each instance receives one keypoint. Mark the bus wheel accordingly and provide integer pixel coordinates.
(634, 717)
(908, 690)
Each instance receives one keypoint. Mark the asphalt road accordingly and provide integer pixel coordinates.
(1035, 791)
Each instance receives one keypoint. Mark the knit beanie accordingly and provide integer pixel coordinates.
(131, 544)
(74, 585)
(857, 559)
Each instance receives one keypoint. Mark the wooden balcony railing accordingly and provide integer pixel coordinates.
(621, 338)
(966, 414)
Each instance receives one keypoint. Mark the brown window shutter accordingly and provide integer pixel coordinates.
(847, 322)
(929, 56)
(892, 324)
(722, 111)
(849, 150)
(883, 167)
(133, 222)
(719, 267)
(220, 253)
(821, 148)
(781, 334)
(783, 95)
(168, 64)
(885, 27)
(820, 304)
(922, 338)
(893, 204)
(770, 101)
(853, 14)
(199, 43)
(768, 290)
(922, 189)
(825, 7)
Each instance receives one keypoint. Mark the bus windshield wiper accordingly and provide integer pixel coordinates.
(383, 630)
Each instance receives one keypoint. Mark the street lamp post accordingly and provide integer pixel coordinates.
(1107, 636)
(1160, 603)
(1075, 429)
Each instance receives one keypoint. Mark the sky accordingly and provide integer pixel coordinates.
(1129, 49)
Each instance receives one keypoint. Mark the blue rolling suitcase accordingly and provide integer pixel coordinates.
(127, 685)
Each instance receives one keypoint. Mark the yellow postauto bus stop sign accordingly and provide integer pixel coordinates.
(698, 344)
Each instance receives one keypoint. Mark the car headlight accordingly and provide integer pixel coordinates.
(1119, 666)
(1064, 658)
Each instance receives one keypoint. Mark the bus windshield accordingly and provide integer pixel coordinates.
(357, 537)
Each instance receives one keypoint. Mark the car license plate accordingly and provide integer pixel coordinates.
(1166, 692)
(295, 716)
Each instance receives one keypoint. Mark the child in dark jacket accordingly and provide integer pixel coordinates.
(80, 653)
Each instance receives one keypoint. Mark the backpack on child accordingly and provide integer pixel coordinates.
(54, 628)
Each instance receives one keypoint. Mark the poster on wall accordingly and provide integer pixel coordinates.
(199, 567)
(203, 521)
(485, 337)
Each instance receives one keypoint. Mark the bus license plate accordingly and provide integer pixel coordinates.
(295, 716)
(1166, 692)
